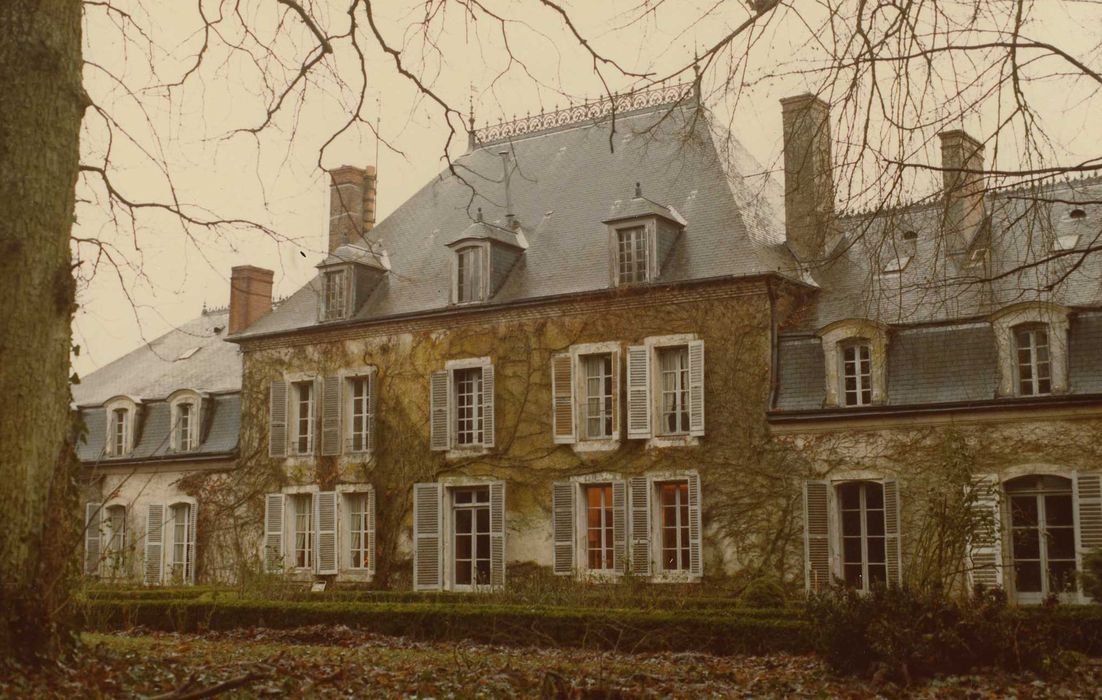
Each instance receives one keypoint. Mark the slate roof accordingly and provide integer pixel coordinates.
(1024, 228)
(193, 356)
(154, 370)
(566, 183)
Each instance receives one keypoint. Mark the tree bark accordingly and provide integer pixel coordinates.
(41, 105)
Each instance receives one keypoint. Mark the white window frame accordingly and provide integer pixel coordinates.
(655, 345)
(862, 380)
(1032, 347)
(468, 431)
(346, 492)
(452, 549)
(130, 406)
(176, 400)
(659, 574)
(1055, 319)
(330, 311)
(1006, 553)
(169, 540)
(294, 383)
(650, 235)
(347, 378)
(114, 557)
(454, 448)
(482, 249)
(840, 538)
(582, 441)
(292, 498)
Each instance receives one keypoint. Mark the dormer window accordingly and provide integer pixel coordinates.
(641, 234)
(632, 244)
(469, 274)
(186, 407)
(336, 295)
(122, 415)
(855, 352)
(1034, 371)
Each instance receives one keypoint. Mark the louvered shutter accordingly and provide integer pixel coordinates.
(562, 398)
(192, 535)
(372, 405)
(273, 532)
(497, 534)
(438, 409)
(92, 538)
(1088, 515)
(154, 543)
(696, 535)
(316, 414)
(488, 405)
(639, 402)
(616, 420)
(892, 547)
(562, 526)
(640, 525)
(696, 387)
(427, 526)
(371, 532)
(331, 416)
(325, 515)
(277, 419)
(985, 565)
(817, 576)
(619, 526)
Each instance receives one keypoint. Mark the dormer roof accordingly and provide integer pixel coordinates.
(356, 253)
(483, 231)
(639, 207)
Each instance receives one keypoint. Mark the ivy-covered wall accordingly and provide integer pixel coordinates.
(749, 503)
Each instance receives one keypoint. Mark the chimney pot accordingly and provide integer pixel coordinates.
(250, 296)
(808, 180)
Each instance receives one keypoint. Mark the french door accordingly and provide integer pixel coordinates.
(471, 537)
(1043, 537)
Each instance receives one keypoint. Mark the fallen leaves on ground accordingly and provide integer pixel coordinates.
(334, 661)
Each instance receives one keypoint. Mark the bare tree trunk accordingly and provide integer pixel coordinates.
(41, 105)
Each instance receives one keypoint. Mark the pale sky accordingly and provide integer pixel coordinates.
(167, 278)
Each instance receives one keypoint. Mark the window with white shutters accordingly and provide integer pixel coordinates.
(277, 418)
(361, 415)
(470, 518)
(598, 400)
(274, 512)
(467, 390)
(302, 432)
(1042, 537)
(864, 545)
(428, 524)
(665, 389)
(673, 398)
(301, 511)
(673, 503)
(361, 529)
(462, 406)
(598, 527)
(154, 544)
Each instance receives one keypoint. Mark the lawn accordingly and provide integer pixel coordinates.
(334, 661)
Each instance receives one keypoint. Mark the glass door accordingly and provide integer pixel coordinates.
(1042, 537)
(471, 537)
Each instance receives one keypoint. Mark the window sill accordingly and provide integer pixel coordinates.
(358, 575)
(466, 452)
(675, 577)
(601, 445)
(673, 441)
(598, 576)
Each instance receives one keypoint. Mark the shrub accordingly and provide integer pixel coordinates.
(907, 634)
(764, 593)
(1092, 575)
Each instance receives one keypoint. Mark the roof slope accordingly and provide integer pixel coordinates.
(159, 367)
(566, 183)
(1023, 235)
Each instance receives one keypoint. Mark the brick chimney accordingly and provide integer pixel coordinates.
(962, 178)
(250, 296)
(351, 204)
(808, 180)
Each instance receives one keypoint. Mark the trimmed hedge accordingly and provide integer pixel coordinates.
(625, 630)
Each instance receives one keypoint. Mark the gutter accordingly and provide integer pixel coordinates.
(165, 459)
(986, 406)
(518, 304)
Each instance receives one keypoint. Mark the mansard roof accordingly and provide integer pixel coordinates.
(192, 356)
(567, 181)
(1022, 240)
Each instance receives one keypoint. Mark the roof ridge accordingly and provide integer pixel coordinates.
(632, 102)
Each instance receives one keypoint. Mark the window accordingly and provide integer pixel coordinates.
(336, 295)
(598, 396)
(598, 527)
(471, 536)
(673, 499)
(359, 528)
(861, 509)
(302, 530)
(1042, 525)
(120, 428)
(179, 561)
(359, 428)
(468, 403)
(673, 404)
(303, 417)
(469, 275)
(632, 254)
(856, 374)
(1033, 362)
(115, 543)
(184, 425)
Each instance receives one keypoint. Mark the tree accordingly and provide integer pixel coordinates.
(894, 72)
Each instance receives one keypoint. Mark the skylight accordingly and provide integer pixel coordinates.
(897, 264)
(1066, 242)
(187, 353)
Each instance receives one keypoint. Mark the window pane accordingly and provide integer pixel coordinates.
(1027, 544)
(877, 573)
(874, 494)
(851, 523)
(1058, 510)
(875, 547)
(463, 546)
(850, 495)
(874, 523)
(1061, 576)
(1061, 543)
(1023, 510)
(463, 573)
(853, 575)
(851, 549)
(1027, 577)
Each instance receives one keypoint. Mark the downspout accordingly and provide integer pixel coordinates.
(774, 351)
